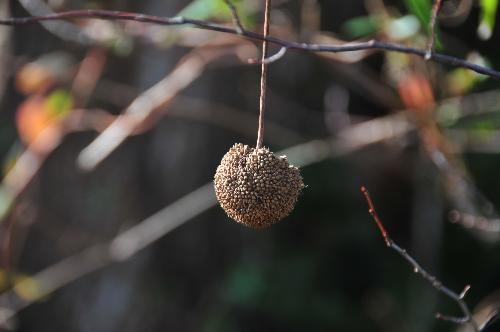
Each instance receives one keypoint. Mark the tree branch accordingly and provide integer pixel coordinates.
(178, 21)
(435, 282)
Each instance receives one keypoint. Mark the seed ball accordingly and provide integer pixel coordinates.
(255, 187)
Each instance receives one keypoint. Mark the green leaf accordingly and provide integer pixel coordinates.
(59, 102)
(421, 9)
(214, 9)
(488, 15)
(201, 9)
(361, 26)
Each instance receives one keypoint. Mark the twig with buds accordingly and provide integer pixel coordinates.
(417, 268)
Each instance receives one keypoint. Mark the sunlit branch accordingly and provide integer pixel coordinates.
(179, 21)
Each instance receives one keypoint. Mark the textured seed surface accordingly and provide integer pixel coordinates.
(255, 187)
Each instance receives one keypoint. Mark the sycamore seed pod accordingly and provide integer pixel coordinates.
(255, 187)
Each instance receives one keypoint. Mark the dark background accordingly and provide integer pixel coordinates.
(324, 268)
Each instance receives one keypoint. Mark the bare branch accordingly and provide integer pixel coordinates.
(417, 268)
(178, 21)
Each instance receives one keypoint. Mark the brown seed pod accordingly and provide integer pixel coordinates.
(255, 187)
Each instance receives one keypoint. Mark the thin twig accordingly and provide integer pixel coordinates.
(177, 21)
(417, 268)
(270, 59)
(263, 77)
(432, 29)
(236, 17)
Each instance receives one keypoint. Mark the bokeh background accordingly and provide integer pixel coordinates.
(422, 137)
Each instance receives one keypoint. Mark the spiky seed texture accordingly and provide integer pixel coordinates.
(255, 187)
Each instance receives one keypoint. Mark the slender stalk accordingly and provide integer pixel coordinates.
(263, 77)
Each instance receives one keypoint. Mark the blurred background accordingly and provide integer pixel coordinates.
(90, 200)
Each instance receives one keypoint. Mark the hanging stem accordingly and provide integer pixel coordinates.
(263, 76)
